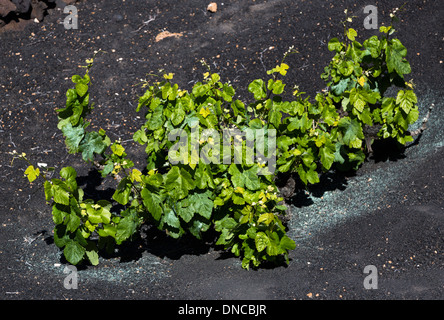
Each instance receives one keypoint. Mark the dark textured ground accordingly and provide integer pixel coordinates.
(390, 215)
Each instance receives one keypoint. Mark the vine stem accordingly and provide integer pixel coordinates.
(421, 129)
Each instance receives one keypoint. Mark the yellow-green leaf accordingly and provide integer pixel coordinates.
(282, 69)
(239, 190)
(266, 218)
(118, 149)
(261, 241)
(136, 175)
(204, 112)
(32, 173)
(351, 34)
(385, 29)
(89, 226)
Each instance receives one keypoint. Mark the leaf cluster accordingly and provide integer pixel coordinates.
(190, 186)
(359, 76)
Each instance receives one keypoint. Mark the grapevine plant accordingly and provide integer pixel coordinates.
(239, 201)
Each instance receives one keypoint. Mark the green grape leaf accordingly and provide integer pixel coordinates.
(77, 112)
(327, 155)
(69, 174)
(273, 245)
(143, 100)
(275, 117)
(312, 175)
(61, 237)
(59, 212)
(251, 178)
(153, 202)
(303, 123)
(92, 143)
(93, 256)
(123, 191)
(257, 88)
(178, 182)
(296, 107)
(73, 135)
(284, 142)
(199, 203)
(178, 115)
(277, 86)
(228, 93)
(60, 191)
(204, 177)
(200, 89)
(125, 229)
(373, 45)
(406, 100)
(412, 116)
(203, 204)
(140, 136)
(197, 227)
(351, 34)
(236, 176)
(346, 68)
(282, 69)
(73, 222)
(352, 132)
(186, 213)
(238, 200)
(339, 88)
(48, 190)
(395, 54)
(359, 98)
(401, 119)
(355, 52)
(107, 231)
(81, 89)
(261, 241)
(156, 120)
(266, 218)
(117, 149)
(171, 219)
(73, 252)
(238, 108)
(334, 45)
(76, 78)
(287, 243)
